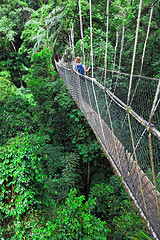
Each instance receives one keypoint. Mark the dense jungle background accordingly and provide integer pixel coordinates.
(55, 180)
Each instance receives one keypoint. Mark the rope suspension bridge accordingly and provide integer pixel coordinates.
(124, 114)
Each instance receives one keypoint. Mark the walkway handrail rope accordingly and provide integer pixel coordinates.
(134, 52)
(110, 120)
(144, 199)
(105, 60)
(128, 74)
(122, 105)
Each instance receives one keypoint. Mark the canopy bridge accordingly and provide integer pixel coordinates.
(124, 114)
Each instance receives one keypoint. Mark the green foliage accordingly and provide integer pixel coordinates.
(40, 77)
(99, 48)
(13, 17)
(75, 221)
(6, 88)
(42, 29)
(22, 178)
(114, 206)
(42, 65)
(16, 113)
(37, 170)
(65, 174)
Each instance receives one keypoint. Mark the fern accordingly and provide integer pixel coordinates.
(141, 236)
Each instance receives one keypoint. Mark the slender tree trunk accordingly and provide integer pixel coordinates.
(88, 178)
(19, 71)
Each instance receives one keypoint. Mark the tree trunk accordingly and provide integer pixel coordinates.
(19, 72)
(88, 178)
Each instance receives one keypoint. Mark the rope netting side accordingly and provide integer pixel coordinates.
(133, 163)
(132, 146)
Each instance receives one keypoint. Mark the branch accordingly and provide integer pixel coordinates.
(124, 13)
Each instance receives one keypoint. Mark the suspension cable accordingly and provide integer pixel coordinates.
(136, 161)
(154, 102)
(134, 52)
(105, 61)
(115, 54)
(72, 41)
(81, 28)
(90, 4)
(120, 58)
(144, 49)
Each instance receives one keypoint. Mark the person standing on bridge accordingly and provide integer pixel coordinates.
(79, 67)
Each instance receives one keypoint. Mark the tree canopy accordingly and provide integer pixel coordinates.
(55, 180)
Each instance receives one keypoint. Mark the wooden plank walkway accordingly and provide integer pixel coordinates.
(134, 177)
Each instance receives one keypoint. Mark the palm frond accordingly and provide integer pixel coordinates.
(38, 36)
(54, 21)
(52, 36)
(27, 9)
(54, 12)
(32, 21)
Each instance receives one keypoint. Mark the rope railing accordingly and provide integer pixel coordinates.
(120, 103)
(127, 74)
(125, 146)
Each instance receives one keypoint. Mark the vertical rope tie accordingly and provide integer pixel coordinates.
(153, 172)
(100, 120)
(105, 61)
(90, 4)
(134, 52)
(81, 28)
(113, 133)
(144, 49)
(120, 58)
(135, 155)
(115, 54)
(154, 102)
(72, 40)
